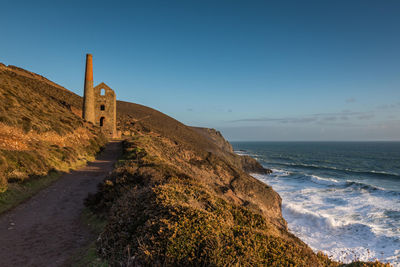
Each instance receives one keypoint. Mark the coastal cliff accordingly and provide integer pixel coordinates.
(179, 195)
(216, 137)
(247, 163)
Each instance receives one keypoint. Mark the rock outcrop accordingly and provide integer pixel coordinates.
(251, 165)
(216, 137)
(247, 163)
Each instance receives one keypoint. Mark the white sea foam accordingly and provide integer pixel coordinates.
(345, 219)
(324, 181)
(300, 215)
(240, 152)
(340, 237)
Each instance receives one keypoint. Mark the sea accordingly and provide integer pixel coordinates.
(341, 198)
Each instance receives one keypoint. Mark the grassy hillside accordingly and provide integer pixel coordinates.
(40, 129)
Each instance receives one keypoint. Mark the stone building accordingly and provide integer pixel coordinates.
(99, 103)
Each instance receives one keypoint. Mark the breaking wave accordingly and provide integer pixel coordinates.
(349, 210)
(345, 171)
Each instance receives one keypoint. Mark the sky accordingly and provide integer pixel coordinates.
(255, 70)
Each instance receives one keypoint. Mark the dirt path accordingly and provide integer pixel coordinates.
(46, 230)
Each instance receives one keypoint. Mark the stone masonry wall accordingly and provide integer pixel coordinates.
(105, 109)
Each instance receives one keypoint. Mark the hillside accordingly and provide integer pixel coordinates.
(39, 128)
(179, 195)
(133, 117)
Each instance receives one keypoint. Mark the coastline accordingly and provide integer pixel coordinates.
(334, 210)
(179, 196)
(190, 200)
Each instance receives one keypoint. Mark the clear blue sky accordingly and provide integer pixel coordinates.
(256, 70)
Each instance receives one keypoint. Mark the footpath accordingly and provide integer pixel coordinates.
(47, 230)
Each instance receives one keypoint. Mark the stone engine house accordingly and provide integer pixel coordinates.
(99, 103)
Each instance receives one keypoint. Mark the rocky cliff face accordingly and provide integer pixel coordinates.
(247, 163)
(216, 137)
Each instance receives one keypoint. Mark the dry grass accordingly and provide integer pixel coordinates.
(39, 132)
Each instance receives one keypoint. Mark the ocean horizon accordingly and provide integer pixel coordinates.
(339, 197)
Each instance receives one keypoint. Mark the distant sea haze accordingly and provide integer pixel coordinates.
(342, 198)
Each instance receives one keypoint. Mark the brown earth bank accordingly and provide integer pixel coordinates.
(180, 196)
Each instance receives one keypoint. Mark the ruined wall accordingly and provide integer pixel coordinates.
(105, 108)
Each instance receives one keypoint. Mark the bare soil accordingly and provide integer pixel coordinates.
(47, 230)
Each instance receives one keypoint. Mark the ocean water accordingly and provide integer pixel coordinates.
(342, 198)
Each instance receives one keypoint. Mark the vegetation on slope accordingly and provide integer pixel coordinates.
(179, 199)
(39, 131)
(158, 214)
(170, 201)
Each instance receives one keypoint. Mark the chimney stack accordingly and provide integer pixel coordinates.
(88, 96)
